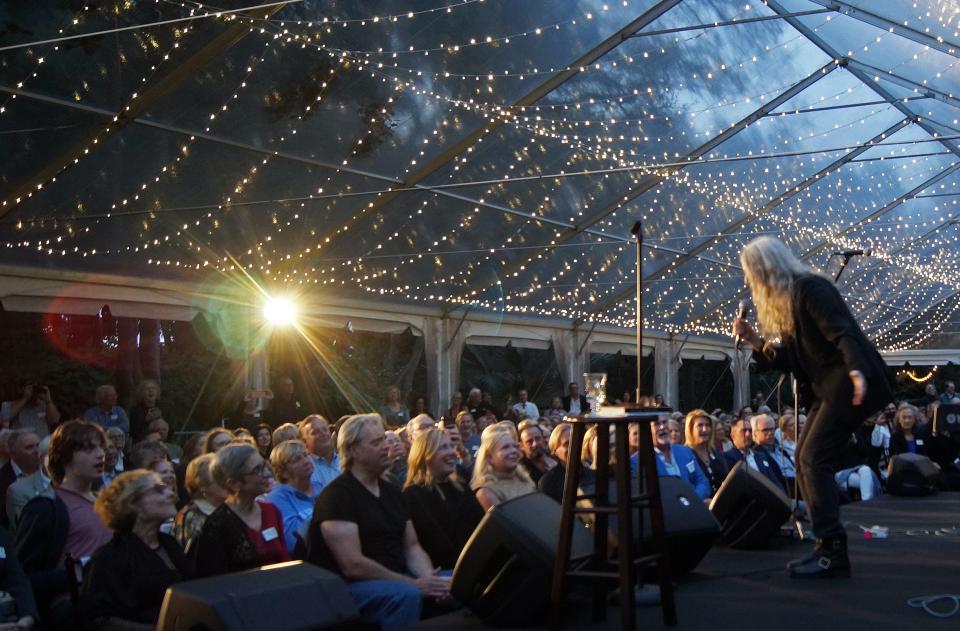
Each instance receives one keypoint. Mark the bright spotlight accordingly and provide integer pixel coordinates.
(280, 311)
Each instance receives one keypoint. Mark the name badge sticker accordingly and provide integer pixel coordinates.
(3, 553)
(920, 442)
(270, 534)
(690, 466)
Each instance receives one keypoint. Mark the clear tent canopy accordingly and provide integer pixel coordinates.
(492, 153)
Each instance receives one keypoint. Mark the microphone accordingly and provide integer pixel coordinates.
(848, 253)
(742, 310)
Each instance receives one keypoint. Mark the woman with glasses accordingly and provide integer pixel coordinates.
(129, 575)
(243, 533)
(293, 495)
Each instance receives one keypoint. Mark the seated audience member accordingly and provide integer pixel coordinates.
(287, 431)
(497, 474)
(464, 456)
(884, 424)
(51, 528)
(417, 425)
(248, 413)
(905, 437)
(28, 487)
(420, 406)
(555, 412)
(293, 495)
(216, 439)
(476, 406)
(721, 429)
(536, 459)
(111, 462)
(443, 510)
(193, 448)
(700, 440)
(106, 413)
(756, 459)
(764, 432)
(128, 577)
(396, 471)
(315, 434)
(553, 481)
(524, 408)
(676, 431)
(787, 434)
(949, 392)
(456, 406)
(468, 431)
(242, 434)
(19, 612)
(243, 532)
(205, 496)
(575, 403)
(856, 478)
(675, 460)
(158, 430)
(33, 409)
(633, 437)
(263, 436)
(145, 409)
(23, 447)
(153, 456)
(362, 530)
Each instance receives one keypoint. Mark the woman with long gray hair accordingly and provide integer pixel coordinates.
(841, 376)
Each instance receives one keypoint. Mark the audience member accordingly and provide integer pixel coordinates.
(128, 577)
(464, 457)
(443, 510)
(315, 434)
(420, 406)
(574, 402)
(949, 392)
(284, 407)
(764, 432)
(20, 607)
(145, 409)
(536, 458)
(242, 533)
(293, 495)
(524, 408)
(675, 460)
(418, 425)
(23, 447)
(758, 460)
(905, 438)
(395, 414)
(158, 430)
(676, 431)
(456, 406)
(700, 440)
(396, 471)
(553, 481)
(263, 436)
(497, 474)
(287, 431)
(205, 496)
(555, 412)
(216, 439)
(248, 413)
(29, 487)
(468, 431)
(112, 467)
(51, 528)
(106, 413)
(477, 406)
(362, 530)
(33, 409)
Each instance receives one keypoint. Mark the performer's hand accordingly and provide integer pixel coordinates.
(742, 328)
(859, 386)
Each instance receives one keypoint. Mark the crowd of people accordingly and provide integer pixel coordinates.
(103, 513)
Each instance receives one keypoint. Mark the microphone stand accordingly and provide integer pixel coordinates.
(843, 266)
(796, 441)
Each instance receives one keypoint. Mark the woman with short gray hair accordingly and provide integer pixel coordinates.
(243, 533)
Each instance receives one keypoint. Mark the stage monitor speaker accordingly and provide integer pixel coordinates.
(750, 508)
(284, 597)
(691, 528)
(504, 572)
(912, 475)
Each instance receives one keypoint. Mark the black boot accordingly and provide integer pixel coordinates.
(829, 559)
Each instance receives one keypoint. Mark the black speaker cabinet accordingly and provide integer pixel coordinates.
(750, 508)
(691, 528)
(912, 475)
(503, 574)
(284, 597)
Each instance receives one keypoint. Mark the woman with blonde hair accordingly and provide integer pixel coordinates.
(700, 434)
(129, 576)
(497, 474)
(841, 375)
(205, 496)
(444, 511)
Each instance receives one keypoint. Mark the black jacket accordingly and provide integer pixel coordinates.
(13, 580)
(584, 405)
(827, 345)
(40, 539)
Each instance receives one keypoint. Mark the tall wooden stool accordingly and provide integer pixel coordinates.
(597, 567)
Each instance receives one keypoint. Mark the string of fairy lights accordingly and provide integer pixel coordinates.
(535, 138)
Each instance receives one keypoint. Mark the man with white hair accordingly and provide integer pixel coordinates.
(22, 445)
(361, 529)
(28, 487)
(106, 413)
(419, 424)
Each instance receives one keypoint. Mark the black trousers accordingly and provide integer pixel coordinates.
(819, 452)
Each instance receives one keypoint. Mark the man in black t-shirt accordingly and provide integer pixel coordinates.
(361, 529)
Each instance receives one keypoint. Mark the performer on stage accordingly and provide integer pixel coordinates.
(841, 375)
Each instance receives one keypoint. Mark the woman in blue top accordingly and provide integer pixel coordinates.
(293, 495)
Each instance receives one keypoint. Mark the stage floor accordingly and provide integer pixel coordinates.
(749, 590)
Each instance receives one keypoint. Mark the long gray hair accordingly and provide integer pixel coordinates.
(770, 269)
